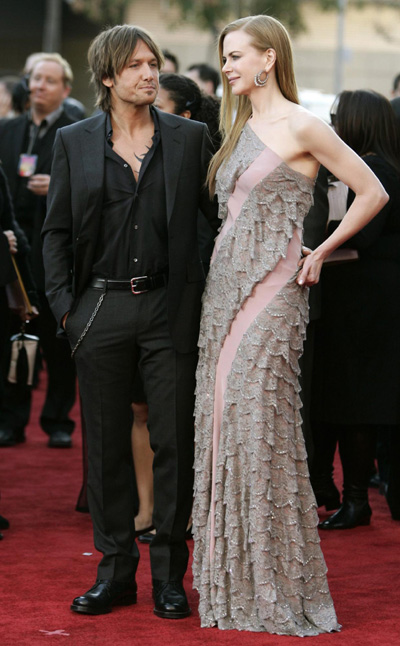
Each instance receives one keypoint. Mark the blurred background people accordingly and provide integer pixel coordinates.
(206, 77)
(181, 96)
(26, 144)
(7, 87)
(314, 233)
(12, 242)
(396, 86)
(171, 63)
(357, 359)
(73, 108)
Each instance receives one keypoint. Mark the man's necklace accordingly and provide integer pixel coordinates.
(140, 159)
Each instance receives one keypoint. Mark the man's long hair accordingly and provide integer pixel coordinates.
(110, 52)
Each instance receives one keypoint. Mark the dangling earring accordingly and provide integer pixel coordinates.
(260, 82)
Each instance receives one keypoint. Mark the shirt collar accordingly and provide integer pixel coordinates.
(51, 118)
(154, 115)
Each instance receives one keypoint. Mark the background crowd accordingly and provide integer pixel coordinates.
(351, 367)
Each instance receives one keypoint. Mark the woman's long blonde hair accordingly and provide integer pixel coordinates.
(266, 33)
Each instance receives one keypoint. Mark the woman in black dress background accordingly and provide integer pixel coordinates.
(357, 366)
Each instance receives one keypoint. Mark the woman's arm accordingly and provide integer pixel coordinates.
(317, 138)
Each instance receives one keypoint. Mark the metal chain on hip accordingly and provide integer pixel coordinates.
(88, 324)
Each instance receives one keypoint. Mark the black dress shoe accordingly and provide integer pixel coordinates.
(10, 437)
(60, 440)
(328, 497)
(350, 514)
(170, 600)
(103, 595)
(4, 524)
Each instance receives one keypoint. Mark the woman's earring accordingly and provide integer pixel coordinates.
(259, 81)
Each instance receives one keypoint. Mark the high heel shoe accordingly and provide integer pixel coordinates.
(145, 530)
(352, 513)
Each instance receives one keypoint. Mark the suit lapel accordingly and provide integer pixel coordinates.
(46, 145)
(18, 138)
(92, 155)
(173, 143)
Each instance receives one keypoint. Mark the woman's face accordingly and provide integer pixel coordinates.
(241, 61)
(164, 102)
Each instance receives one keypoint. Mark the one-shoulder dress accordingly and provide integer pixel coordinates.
(257, 561)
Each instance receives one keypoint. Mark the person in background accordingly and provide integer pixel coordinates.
(178, 95)
(12, 242)
(206, 77)
(356, 372)
(26, 145)
(171, 63)
(396, 86)
(393, 484)
(73, 108)
(314, 233)
(7, 86)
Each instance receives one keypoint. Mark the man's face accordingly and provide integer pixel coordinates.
(137, 83)
(206, 86)
(46, 85)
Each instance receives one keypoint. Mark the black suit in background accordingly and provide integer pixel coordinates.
(156, 331)
(356, 392)
(313, 235)
(7, 271)
(30, 213)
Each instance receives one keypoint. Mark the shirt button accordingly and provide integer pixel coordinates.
(135, 260)
(125, 165)
(136, 226)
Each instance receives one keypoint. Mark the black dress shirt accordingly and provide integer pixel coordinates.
(133, 239)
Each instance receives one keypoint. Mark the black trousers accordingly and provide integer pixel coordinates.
(130, 332)
(61, 385)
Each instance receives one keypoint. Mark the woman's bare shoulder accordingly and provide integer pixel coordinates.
(307, 128)
(302, 120)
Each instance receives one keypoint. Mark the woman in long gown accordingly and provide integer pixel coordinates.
(257, 561)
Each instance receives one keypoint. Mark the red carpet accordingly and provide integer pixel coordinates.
(47, 558)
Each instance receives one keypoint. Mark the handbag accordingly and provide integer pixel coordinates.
(23, 358)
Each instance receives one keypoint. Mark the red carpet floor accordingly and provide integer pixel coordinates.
(47, 558)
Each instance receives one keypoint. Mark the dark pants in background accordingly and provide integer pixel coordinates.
(61, 380)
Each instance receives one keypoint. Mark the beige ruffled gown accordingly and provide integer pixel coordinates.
(257, 562)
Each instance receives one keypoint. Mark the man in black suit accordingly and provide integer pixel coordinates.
(124, 278)
(26, 144)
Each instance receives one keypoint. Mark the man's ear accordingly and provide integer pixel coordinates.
(67, 91)
(107, 81)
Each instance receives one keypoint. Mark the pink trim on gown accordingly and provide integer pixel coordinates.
(262, 294)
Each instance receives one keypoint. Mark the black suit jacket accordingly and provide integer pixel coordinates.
(8, 222)
(12, 136)
(75, 200)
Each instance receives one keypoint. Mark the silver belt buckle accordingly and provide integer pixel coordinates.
(133, 286)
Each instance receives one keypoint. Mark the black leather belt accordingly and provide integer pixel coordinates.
(137, 285)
